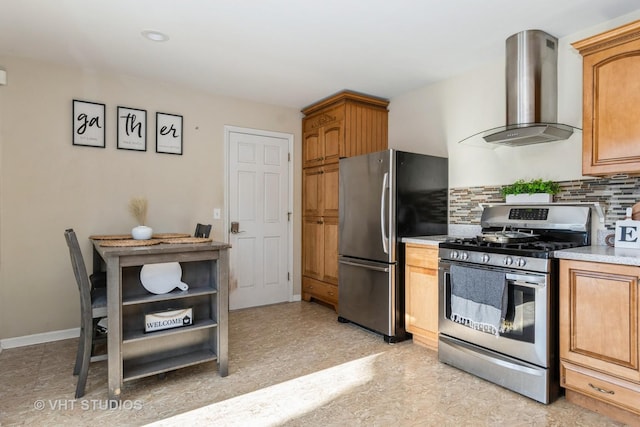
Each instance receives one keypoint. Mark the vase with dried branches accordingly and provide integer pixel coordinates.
(138, 208)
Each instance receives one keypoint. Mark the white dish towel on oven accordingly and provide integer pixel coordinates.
(478, 298)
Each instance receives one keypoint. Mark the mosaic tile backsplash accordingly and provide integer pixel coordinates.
(614, 195)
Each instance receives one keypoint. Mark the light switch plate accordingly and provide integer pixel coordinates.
(216, 213)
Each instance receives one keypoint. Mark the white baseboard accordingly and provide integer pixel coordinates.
(296, 298)
(39, 338)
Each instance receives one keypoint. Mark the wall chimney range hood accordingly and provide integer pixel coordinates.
(532, 92)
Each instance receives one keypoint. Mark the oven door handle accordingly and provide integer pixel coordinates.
(527, 284)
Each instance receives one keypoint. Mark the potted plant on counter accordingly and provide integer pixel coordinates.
(533, 191)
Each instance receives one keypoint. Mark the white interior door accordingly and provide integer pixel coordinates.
(259, 204)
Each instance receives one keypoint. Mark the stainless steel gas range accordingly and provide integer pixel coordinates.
(498, 315)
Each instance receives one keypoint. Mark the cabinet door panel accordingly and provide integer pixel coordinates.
(313, 191)
(599, 317)
(313, 247)
(616, 128)
(421, 293)
(330, 190)
(312, 148)
(330, 250)
(423, 298)
(332, 138)
(611, 129)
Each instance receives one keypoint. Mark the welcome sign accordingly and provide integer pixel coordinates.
(167, 319)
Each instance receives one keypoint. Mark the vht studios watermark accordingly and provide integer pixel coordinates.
(87, 405)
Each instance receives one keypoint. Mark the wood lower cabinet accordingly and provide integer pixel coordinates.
(320, 249)
(421, 294)
(599, 337)
(320, 258)
(611, 89)
(343, 125)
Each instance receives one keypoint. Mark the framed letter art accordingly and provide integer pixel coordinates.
(88, 123)
(168, 133)
(132, 129)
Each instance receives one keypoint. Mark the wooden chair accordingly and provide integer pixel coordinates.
(93, 307)
(202, 230)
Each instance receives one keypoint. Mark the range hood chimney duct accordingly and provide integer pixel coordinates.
(532, 91)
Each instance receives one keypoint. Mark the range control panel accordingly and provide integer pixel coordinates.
(528, 214)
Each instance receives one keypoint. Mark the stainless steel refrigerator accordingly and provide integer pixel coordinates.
(383, 197)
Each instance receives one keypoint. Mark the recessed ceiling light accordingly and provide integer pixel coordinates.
(155, 36)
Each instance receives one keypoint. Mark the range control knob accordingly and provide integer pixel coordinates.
(455, 254)
(521, 262)
(508, 261)
(485, 258)
(464, 256)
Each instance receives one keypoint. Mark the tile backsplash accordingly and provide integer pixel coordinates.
(614, 195)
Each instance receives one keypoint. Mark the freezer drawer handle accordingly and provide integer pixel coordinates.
(368, 267)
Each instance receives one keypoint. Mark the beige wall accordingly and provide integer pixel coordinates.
(48, 185)
(435, 118)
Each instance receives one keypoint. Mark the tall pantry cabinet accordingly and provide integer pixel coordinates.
(343, 125)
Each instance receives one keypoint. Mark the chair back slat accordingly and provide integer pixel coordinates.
(202, 230)
(80, 273)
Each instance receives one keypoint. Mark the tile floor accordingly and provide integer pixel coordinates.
(290, 364)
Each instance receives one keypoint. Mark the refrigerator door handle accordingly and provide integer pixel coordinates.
(368, 267)
(385, 238)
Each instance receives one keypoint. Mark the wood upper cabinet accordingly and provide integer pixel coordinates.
(321, 144)
(611, 107)
(599, 333)
(344, 125)
(421, 294)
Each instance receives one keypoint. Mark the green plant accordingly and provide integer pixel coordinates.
(530, 187)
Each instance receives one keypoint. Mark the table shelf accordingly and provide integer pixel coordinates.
(140, 335)
(144, 299)
(133, 370)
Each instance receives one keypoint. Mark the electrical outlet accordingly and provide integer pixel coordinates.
(216, 213)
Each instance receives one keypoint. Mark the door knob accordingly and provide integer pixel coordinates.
(235, 227)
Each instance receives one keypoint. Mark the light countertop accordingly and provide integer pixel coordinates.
(425, 240)
(601, 253)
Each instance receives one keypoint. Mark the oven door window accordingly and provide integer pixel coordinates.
(519, 323)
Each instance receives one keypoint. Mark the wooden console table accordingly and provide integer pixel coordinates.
(134, 354)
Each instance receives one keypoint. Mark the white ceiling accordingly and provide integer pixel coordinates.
(287, 52)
